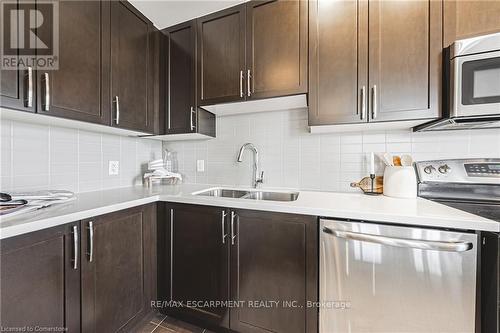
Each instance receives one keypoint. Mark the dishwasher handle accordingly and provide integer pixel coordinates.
(402, 242)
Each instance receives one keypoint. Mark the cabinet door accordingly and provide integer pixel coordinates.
(199, 266)
(79, 89)
(276, 48)
(131, 68)
(338, 61)
(469, 18)
(17, 88)
(405, 59)
(117, 269)
(274, 258)
(221, 56)
(181, 74)
(40, 280)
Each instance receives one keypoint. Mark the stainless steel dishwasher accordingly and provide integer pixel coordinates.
(380, 278)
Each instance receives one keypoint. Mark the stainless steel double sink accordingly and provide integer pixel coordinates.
(253, 194)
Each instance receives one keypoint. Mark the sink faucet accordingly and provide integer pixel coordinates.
(256, 179)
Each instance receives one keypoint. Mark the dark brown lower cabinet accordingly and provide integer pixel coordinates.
(101, 281)
(199, 262)
(40, 280)
(273, 272)
(264, 264)
(118, 269)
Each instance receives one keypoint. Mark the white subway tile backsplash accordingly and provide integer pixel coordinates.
(41, 157)
(291, 157)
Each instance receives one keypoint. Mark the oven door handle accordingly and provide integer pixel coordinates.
(402, 242)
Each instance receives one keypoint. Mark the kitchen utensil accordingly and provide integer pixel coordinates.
(365, 185)
(11, 206)
(387, 158)
(396, 161)
(4, 197)
(400, 182)
(406, 160)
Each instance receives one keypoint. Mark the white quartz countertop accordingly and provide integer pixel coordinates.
(419, 212)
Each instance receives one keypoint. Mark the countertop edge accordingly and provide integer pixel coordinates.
(333, 213)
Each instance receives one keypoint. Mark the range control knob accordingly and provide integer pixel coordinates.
(428, 169)
(445, 168)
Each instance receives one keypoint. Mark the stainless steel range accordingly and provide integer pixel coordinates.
(471, 185)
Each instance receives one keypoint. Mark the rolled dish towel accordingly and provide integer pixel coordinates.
(162, 173)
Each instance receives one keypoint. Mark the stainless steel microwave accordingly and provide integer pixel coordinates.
(471, 87)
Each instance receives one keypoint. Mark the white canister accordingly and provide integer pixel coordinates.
(400, 182)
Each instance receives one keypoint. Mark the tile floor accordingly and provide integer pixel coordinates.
(158, 323)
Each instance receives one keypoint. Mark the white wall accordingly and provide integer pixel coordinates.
(293, 158)
(45, 157)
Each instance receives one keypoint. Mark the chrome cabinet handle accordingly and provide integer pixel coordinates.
(223, 220)
(249, 86)
(233, 234)
(171, 253)
(117, 102)
(29, 94)
(46, 102)
(374, 106)
(241, 83)
(91, 241)
(363, 102)
(191, 119)
(75, 247)
(402, 242)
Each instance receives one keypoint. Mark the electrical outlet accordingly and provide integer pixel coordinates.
(114, 168)
(200, 165)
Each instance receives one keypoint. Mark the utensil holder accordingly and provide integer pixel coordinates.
(400, 182)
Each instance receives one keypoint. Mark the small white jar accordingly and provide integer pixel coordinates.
(400, 182)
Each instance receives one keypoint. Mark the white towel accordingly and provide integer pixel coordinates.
(162, 173)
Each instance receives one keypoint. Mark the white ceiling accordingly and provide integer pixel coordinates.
(165, 13)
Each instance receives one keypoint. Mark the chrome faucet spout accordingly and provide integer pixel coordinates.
(256, 179)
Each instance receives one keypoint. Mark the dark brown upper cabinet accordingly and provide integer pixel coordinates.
(401, 79)
(273, 257)
(251, 51)
(338, 62)
(132, 60)
(221, 60)
(118, 269)
(405, 44)
(40, 279)
(17, 88)
(79, 89)
(181, 74)
(199, 262)
(182, 113)
(108, 68)
(470, 18)
(276, 52)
